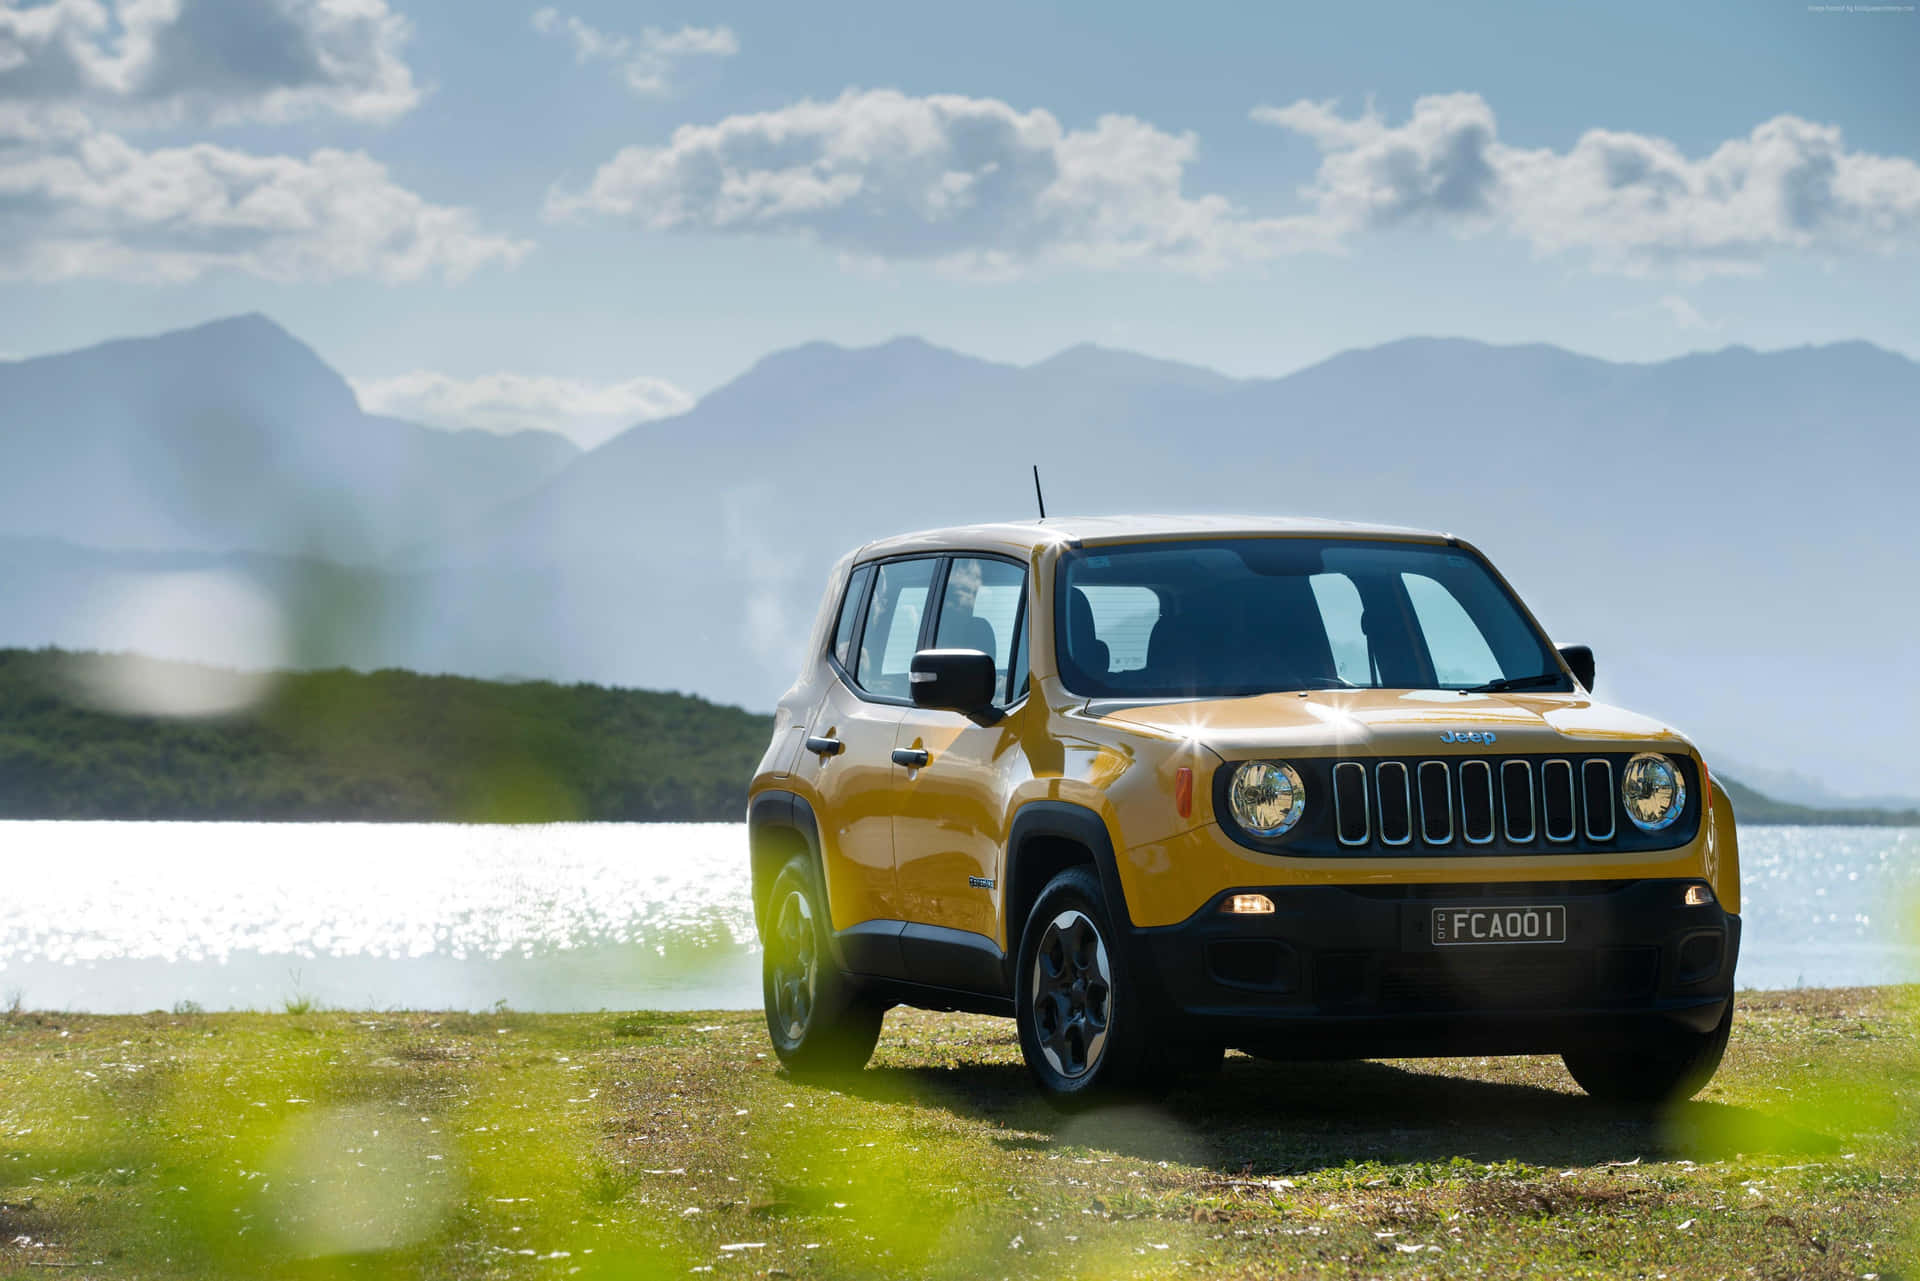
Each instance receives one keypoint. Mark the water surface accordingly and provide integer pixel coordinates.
(114, 917)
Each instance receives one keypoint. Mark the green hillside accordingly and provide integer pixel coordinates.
(1750, 806)
(341, 745)
(395, 745)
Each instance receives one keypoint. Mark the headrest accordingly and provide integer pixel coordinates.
(979, 635)
(1084, 645)
(1079, 618)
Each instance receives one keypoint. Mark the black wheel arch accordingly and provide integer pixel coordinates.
(780, 824)
(1047, 838)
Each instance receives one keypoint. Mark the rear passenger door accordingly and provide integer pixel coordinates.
(949, 826)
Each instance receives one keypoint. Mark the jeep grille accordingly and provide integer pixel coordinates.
(1451, 802)
(1467, 805)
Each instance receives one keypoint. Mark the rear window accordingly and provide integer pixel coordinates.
(850, 616)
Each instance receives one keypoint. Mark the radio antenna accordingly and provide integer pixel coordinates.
(1039, 497)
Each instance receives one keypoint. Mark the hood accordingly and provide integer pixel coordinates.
(1394, 723)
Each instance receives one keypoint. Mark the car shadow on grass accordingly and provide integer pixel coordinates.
(1256, 1118)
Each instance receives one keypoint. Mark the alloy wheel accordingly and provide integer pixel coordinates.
(793, 955)
(1072, 989)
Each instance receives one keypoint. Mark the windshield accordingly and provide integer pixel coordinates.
(1223, 617)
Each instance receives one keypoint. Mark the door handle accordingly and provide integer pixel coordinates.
(911, 757)
(824, 747)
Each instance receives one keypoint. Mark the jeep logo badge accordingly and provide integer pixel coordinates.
(1464, 736)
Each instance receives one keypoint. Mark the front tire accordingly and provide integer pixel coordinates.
(818, 1022)
(1657, 1065)
(1083, 1026)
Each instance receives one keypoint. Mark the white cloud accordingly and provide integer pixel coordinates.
(1684, 314)
(162, 61)
(968, 183)
(647, 61)
(1629, 202)
(1673, 309)
(587, 412)
(75, 201)
(1433, 167)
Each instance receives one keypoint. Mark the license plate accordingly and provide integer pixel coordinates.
(1461, 926)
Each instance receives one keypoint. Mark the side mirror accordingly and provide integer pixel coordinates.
(959, 680)
(1580, 659)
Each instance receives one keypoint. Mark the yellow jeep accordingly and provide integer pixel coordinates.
(1160, 786)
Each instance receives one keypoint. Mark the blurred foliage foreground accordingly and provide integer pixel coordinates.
(320, 1145)
(102, 736)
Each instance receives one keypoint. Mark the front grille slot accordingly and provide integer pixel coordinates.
(1428, 983)
(1596, 786)
(1395, 791)
(1516, 801)
(1436, 803)
(1350, 802)
(1476, 802)
(1415, 981)
(1556, 800)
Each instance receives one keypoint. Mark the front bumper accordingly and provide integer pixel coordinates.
(1351, 971)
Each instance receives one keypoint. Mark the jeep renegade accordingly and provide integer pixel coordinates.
(1158, 787)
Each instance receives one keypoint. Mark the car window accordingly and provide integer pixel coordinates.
(850, 615)
(980, 609)
(1225, 617)
(1461, 655)
(1118, 621)
(892, 631)
(1341, 612)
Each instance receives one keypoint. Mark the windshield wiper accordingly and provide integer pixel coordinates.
(1516, 682)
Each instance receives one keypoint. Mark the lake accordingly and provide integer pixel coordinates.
(117, 917)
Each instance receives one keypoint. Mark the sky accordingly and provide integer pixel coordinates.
(580, 216)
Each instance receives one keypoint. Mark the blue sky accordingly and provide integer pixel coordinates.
(485, 216)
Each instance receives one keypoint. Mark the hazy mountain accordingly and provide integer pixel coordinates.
(1751, 807)
(236, 435)
(1787, 786)
(1732, 531)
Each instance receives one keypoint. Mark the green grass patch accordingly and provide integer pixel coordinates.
(638, 1145)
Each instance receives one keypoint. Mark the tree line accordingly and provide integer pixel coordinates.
(353, 746)
(395, 745)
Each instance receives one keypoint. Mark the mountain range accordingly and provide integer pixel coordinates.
(234, 435)
(1732, 531)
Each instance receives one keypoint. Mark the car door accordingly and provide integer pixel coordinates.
(850, 742)
(950, 825)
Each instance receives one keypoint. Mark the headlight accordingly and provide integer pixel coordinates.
(1266, 797)
(1654, 791)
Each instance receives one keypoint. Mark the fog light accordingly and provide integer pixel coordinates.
(1698, 896)
(1250, 905)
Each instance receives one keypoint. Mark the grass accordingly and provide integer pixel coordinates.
(641, 1145)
